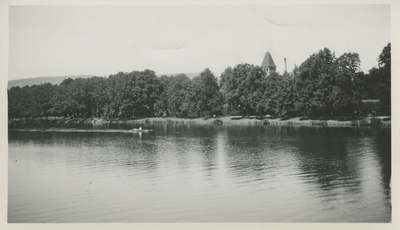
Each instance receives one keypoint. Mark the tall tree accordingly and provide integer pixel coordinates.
(313, 84)
(63, 101)
(384, 85)
(288, 97)
(242, 88)
(207, 99)
(342, 100)
(98, 95)
(274, 92)
(15, 102)
(149, 88)
(177, 95)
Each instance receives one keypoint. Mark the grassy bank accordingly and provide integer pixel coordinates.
(277, 121)
(236, 120)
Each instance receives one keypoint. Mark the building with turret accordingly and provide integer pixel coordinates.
(268, 64)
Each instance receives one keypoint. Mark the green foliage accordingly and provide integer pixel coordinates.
(315, 83)
(376, 84)
(327, 86)
(323, 85)
(176, 95)
(205, 99)
(384, 85)
(242, 88)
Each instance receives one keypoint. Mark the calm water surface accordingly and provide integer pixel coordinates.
(180, 173)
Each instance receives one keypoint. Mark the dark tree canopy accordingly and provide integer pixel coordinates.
(323, 85)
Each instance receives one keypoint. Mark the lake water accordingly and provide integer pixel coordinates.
(189, 173)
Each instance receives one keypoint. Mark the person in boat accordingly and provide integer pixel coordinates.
(137, 130)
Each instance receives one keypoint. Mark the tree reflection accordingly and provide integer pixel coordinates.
(328, 162)
(247, 151)
(344, 161)
(383, 153)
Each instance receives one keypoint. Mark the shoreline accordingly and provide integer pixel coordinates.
(224, 121)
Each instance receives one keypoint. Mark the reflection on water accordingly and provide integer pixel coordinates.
(189, 173)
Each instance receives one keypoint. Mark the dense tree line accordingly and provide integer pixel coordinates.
(123, 95)
(323, 85)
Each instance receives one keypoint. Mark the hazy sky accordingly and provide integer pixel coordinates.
(103, 40)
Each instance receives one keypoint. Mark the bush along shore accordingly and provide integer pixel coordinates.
(217, 121)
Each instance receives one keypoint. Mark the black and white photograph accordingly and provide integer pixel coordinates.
(198, 112)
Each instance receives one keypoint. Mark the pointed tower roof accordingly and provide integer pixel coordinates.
(268, 62)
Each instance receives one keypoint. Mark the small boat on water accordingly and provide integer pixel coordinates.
(140, 130)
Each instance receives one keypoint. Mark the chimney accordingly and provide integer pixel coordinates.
(285, 65)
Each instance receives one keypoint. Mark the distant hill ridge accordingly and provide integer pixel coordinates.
(190, 75)
(42, 80)
(58, 80)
